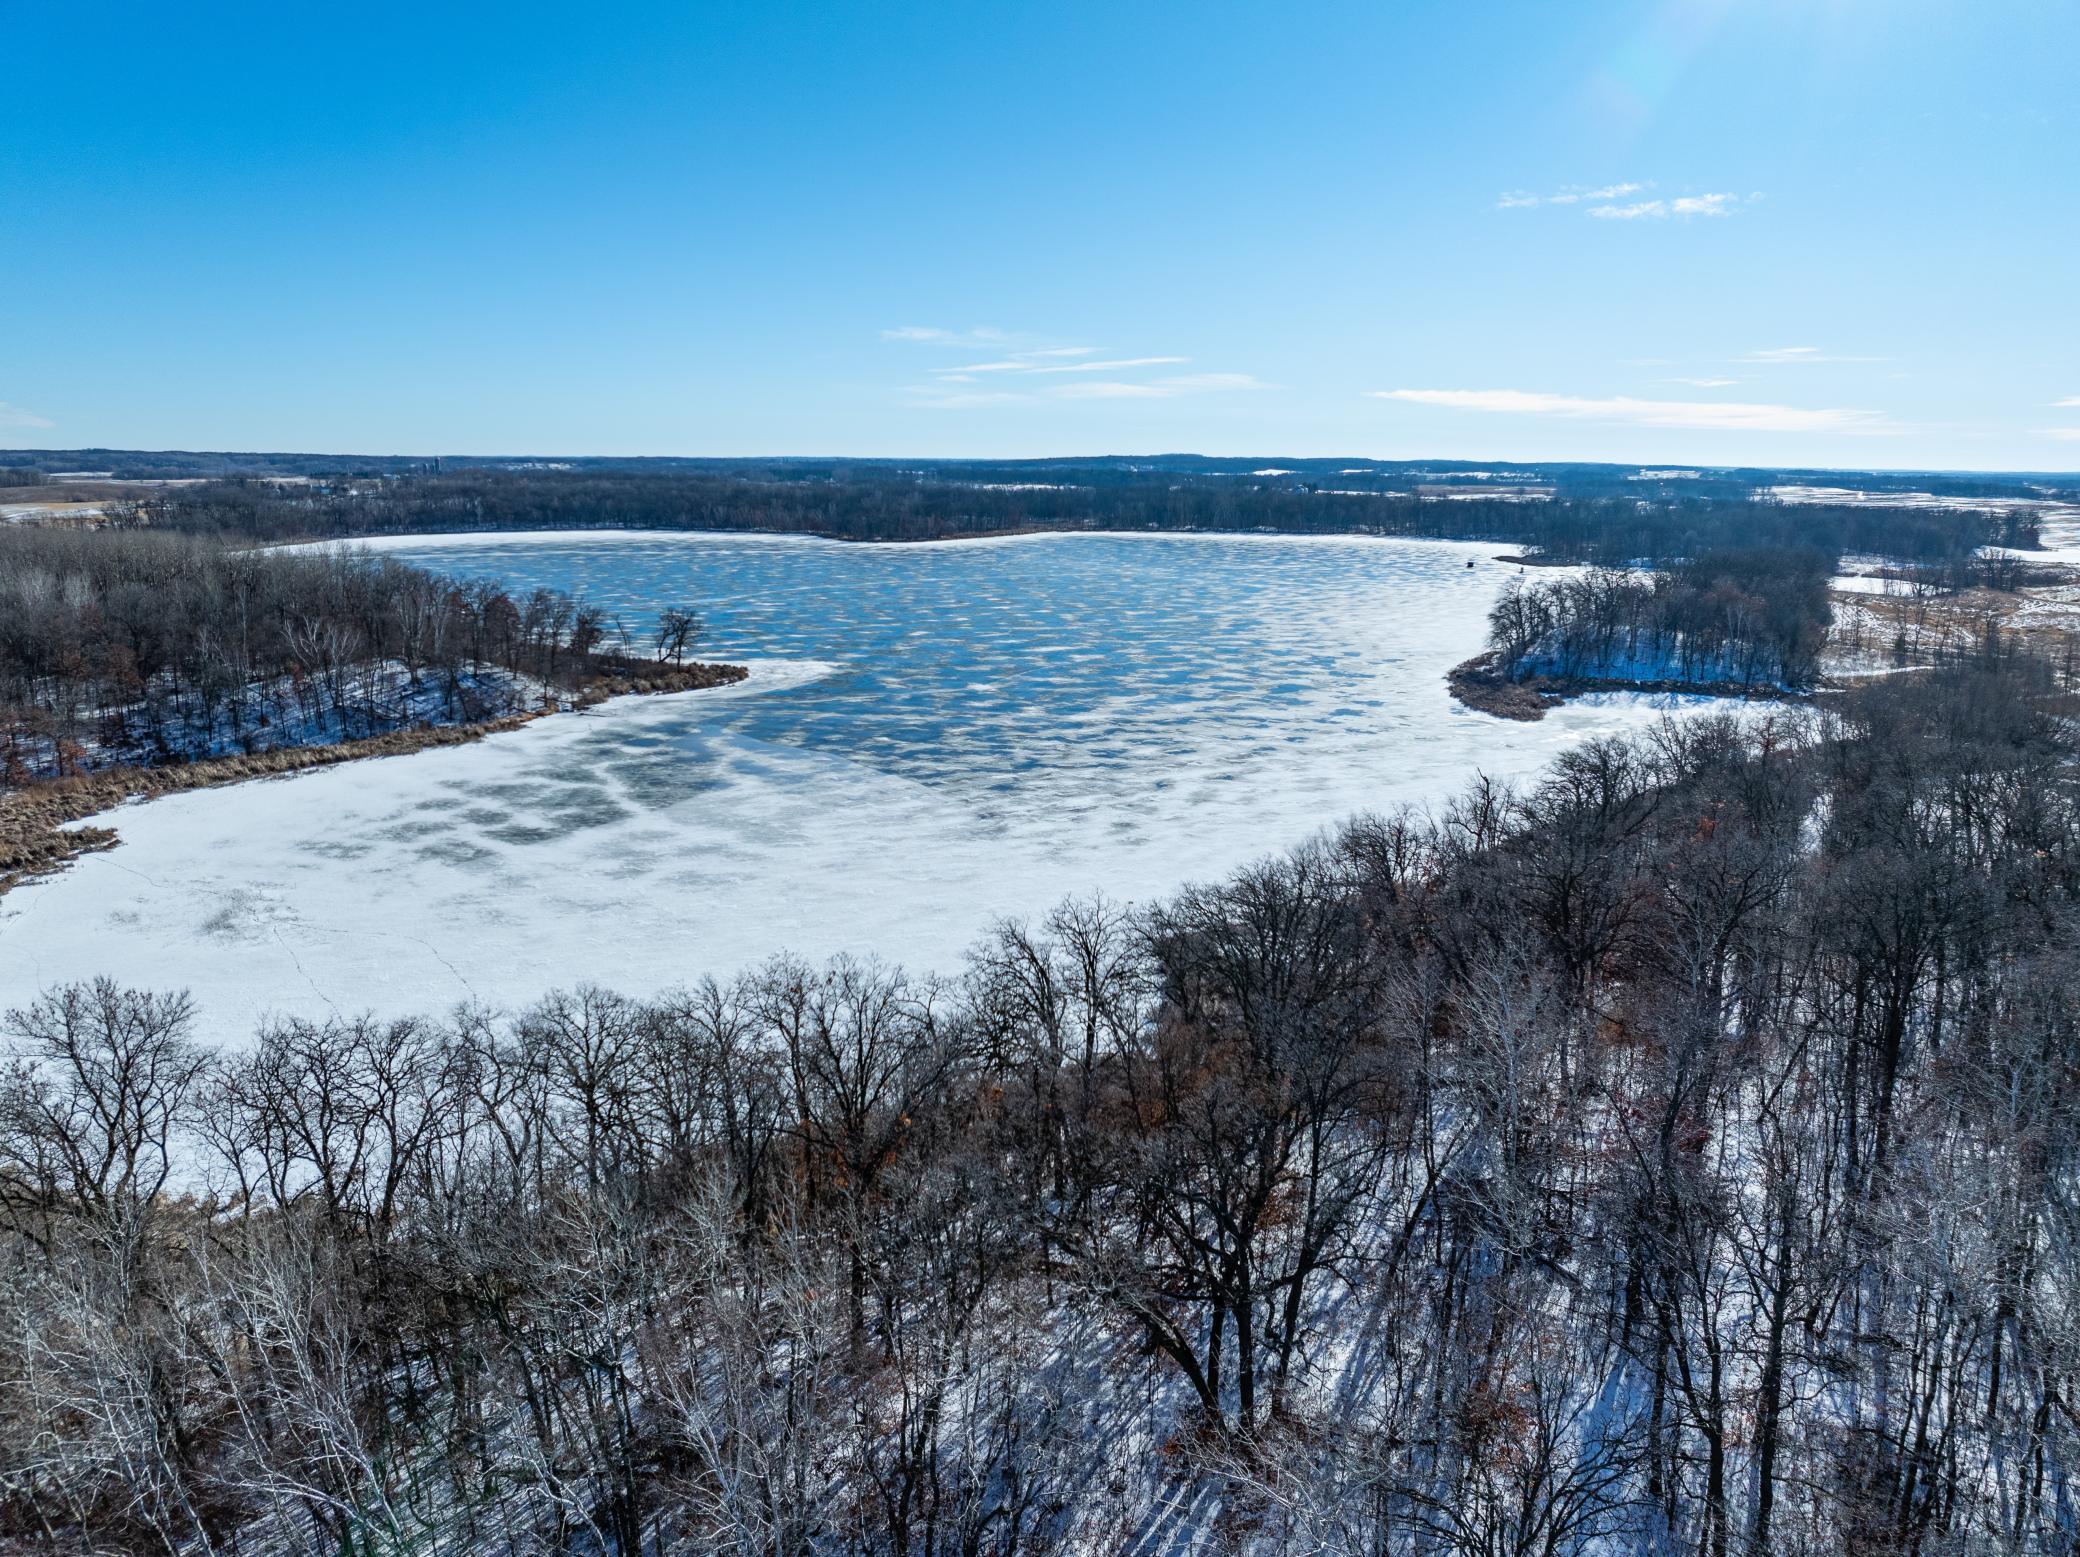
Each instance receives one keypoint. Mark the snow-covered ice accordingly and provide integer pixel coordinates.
(933, 736)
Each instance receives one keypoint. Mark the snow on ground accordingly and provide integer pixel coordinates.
(375, 697)
(932, 736)
(1935, 501)
(1866, 584)
(2058, 536)
(27, 513)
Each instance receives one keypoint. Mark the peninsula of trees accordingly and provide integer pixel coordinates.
(1744, 623)
(135, 661)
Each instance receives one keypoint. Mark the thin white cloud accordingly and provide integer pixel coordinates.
(1662, 210)
(1188, 383)
(1158, 389)
(1023, 362)
(1700, 415)
(933, 335)
(2070, 403)
(1518, 199)
(1628, 213)
(2063, 434)
(1703, 383)
(1797, 356)
(1008, 365)
(932, 398)
(1611, 202)
(1169, 387)
(1108, 389)
(15, 416)
(1117, 363)
(1036, 375)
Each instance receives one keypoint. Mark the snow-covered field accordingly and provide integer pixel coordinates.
(2044, 508)
(932, 736)
(1869, 584)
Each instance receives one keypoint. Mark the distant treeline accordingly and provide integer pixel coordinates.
(143, 646)
(1744, 618)
(1678, 1156)
(874, 503)
(1569, 478)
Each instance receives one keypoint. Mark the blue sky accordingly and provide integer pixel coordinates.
(1775, 231)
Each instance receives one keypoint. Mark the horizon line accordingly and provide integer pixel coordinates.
(8, 455)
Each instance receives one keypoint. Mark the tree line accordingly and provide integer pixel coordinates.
(1675, 1155)
(141, 646)
(867, 502)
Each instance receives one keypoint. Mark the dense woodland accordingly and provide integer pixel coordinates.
(128, 646)
(1747, 619)
(1675, 1156)
(1588, 521)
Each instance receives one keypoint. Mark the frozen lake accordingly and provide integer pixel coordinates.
(933, 736)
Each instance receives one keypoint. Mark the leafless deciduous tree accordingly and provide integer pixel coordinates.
(1676, 1156)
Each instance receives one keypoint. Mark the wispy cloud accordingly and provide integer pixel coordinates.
(1167, 387)
(1164, 388)
(1519, 199)
(933, 335)
(1107, 389)
(1613, 202)
(1797, 356)
(2070, 403)
(15, 416)
(1030, 362)
(2063, 434)
(1662, 210)
(1703, 383)
(1190, 383)
(1626, 213)
(1037, 374)
(1700, 415)
(933, 398)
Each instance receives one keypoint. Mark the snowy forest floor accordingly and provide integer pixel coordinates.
(1880, 633)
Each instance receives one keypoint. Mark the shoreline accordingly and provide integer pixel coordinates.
(407, 539)
(37, 838)
(1477, 684)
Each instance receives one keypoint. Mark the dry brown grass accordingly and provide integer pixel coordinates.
(1878, 632)
(1480, 684)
